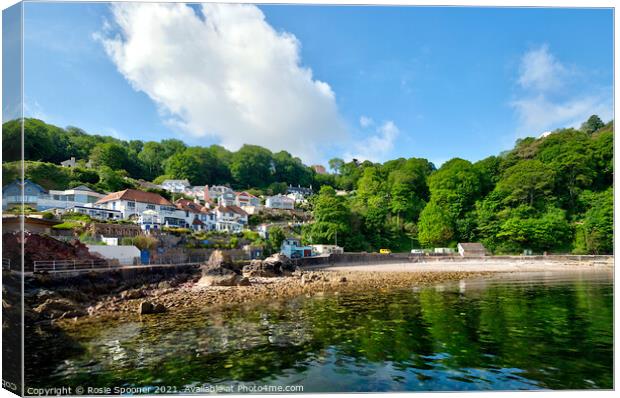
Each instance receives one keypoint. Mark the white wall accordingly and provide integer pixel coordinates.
(124, 254)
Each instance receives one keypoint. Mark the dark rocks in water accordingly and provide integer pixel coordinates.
(275, 265)
(146, 307)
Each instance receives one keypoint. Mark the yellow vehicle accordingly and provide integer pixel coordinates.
(385, 251)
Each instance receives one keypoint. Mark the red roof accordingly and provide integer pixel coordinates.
(234, 209)
(246, 194)
(133, 195)
(188, 205)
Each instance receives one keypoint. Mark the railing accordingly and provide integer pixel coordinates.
(69, 265)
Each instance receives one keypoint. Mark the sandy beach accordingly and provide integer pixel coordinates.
(476, 266)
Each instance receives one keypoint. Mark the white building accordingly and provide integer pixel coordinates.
(213, 192)
(125, 255)
(230, 218)
(95, 213)
(246, 199)
(69, 162)
(196, 191)
(197, 217)
(176, 186)
(39, 198)
(318, 250)
(297, 197)
(280, 202)
(133, 203)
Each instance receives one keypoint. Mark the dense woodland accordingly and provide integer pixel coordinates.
(553, 193)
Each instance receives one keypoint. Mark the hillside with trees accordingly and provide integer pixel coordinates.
(553, 193)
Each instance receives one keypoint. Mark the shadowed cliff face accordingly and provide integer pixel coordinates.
(503, 335)
(42, 248)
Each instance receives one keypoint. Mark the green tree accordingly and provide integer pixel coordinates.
(276, 237)
(112, 155)
(435, 228)
(252, 166)
(592, 124)
(526, 182)
(335, 165)
(595, 233)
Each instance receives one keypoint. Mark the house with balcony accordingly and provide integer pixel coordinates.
(230, 218)
(246, 199)
(132, 203)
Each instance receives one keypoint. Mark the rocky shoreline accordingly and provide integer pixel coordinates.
(193, 294)
(220, 281)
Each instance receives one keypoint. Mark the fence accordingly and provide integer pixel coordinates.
(70, 265)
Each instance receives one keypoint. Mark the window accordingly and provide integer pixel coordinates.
(131, 205)
(150, 207)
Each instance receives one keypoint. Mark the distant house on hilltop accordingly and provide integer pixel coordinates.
(471, 250)
(305, 191)
(69, 162)
(176, 186)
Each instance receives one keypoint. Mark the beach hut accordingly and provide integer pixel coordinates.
(471, 250)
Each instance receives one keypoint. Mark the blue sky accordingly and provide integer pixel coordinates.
(386, 82)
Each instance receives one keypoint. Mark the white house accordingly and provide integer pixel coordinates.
(297, 197)
(38, 197)
(133, 203)
(213, 192)
(197, 217)
(176, 186)
(280, 202)
(230, 218)
(69, 162)
(96, 213)
(246, 199)
(196, 191)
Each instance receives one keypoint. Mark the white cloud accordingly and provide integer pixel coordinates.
(226, 74)
(366, 121)
(550, 99)
(538, 114)
(375, 147)
(541, 71)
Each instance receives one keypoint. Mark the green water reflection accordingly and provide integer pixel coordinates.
(548, 333)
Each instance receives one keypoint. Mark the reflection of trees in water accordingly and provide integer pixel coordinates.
(560, 336)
